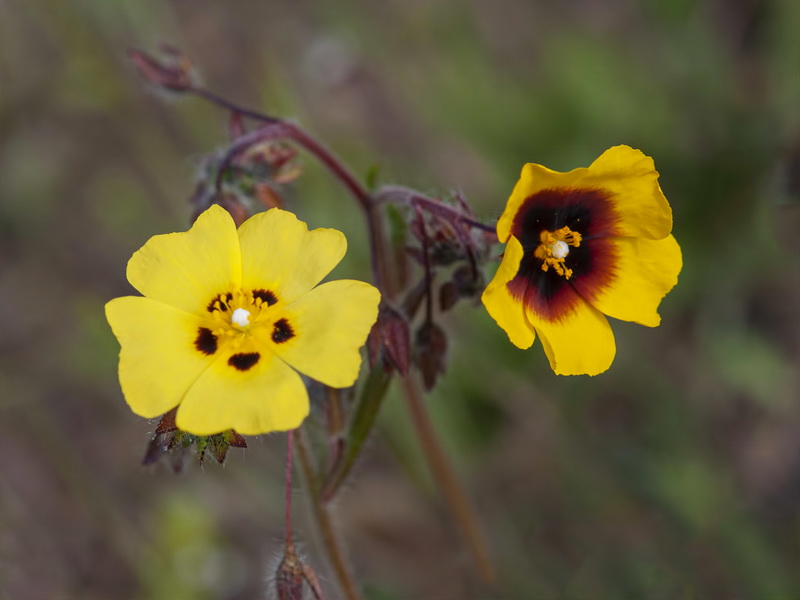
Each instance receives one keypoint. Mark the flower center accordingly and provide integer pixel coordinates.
(554, 249)
(240, 318)
(235, 314)
(239, 323)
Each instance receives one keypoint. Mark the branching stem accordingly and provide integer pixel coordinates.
(279, 129)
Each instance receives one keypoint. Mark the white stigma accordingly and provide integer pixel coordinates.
(559, 250)
(241, 317)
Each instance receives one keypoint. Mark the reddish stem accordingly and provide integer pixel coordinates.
(403, 195)
(445, 477)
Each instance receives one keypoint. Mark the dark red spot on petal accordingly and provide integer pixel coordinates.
(244, 361)
(589, 212)
(205, 342)
(220, 302)
(265, 296)
(282, 331)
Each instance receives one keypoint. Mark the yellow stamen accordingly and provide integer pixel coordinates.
(233, 316)
(554, 249)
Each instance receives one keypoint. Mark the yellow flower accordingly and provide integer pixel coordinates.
(230, 318)
(582, 244)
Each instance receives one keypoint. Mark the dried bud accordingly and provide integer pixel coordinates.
(431, 347)
(468, 281)
(292, 573)
(174, 72)
(289, 578)
(448, 296)
(445, 250)
(395, 338)
(271, 161)
(237, 210)
(268, 196)
(236, 125)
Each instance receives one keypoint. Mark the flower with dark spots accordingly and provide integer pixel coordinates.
(580, 245)
(231, 318)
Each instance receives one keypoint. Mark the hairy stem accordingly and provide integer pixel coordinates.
(373, 391)
(325, 524)
(288, 496)
(403, 195)
(446, 479)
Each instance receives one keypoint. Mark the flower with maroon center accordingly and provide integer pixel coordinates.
(229, 319)
(580, 245)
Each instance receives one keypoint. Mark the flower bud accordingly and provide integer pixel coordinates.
(292, 573)
(174, 72)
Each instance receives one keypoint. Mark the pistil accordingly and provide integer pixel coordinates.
(240, 318)
(554, 249)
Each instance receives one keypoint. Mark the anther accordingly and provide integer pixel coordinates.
(554, 248)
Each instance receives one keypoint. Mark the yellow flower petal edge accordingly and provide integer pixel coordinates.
(231, 320)
(184, 269)
(648, 270)
(281, 254)
(341, 314)
(502, 306)
(270, 396)
(155, 368)
(592, 241)
(632, 180)
(582, 344)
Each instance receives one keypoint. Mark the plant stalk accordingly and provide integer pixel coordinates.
(327, 529)
(446, 479)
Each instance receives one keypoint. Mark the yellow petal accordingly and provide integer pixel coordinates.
(627, 174)
(330, 325)
(281, 255)
(158, 362)
(270, 396)
(580, 344)
(632, 179)
(186, 270)
(534, 178)
(645, 271)
(507, 311)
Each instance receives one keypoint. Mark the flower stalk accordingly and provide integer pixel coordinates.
(446, 479)
(322, 515)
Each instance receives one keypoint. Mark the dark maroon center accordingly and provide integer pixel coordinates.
(587, 211)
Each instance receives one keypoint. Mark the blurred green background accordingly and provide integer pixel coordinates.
(674, 475)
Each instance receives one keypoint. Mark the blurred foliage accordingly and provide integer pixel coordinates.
(675, 475)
